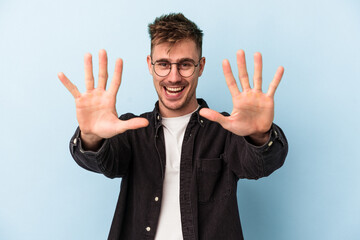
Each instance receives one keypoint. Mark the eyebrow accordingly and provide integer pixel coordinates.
(180, 60)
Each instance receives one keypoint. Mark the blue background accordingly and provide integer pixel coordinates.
(315, 195)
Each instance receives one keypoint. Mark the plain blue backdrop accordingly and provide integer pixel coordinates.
(315, 195)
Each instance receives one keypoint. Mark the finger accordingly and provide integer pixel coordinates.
(230, 80)
(243, 74)
(68, 84)
(89, 77)
(257, 71)
(214, 116)
(275, 82)
(116, 80)
(103, 73)
(134, 123)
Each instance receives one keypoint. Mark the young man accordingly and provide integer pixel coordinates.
(180, 163)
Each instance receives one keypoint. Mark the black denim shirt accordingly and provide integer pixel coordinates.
(212, 161)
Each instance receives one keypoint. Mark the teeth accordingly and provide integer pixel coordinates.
(171, 93)
(174, 89)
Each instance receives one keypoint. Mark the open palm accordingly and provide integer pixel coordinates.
(253, 110)
(95, 108)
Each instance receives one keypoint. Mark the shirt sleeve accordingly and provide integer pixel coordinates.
(253, 162)
(112, 159)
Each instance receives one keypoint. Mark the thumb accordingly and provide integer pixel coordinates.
(214, 116)
(131, 124)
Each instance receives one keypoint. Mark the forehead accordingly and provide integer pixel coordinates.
(182, 49)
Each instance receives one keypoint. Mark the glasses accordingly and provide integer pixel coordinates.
(186, 67)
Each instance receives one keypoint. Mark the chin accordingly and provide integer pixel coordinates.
(178, 105)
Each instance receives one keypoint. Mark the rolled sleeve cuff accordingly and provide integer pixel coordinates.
(276, 135)
(76, 143)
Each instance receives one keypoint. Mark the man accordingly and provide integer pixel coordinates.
(180, 163)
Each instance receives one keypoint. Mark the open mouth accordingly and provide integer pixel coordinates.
(173, 90)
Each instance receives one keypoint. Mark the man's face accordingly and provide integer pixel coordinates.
(177, 94)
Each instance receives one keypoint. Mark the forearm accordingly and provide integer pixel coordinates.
(111, 158)
(274, 151)
(252, 161)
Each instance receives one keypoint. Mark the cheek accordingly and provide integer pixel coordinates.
(194, 83)
(157, 83)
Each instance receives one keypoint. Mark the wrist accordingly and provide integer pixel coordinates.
(90, 141)
(259, 139)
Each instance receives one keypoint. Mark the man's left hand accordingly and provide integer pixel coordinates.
(253, 110)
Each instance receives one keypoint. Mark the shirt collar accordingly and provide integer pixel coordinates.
(196, 115)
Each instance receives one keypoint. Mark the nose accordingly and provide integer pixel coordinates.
(174, 75)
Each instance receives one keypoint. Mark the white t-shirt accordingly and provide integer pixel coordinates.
(169, 226)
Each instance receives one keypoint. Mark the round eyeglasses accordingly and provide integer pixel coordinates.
(186, 68)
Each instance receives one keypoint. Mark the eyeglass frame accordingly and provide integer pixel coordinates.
(177, 66)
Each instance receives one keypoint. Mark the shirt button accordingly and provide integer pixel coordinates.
(148, 229)
(158, 117)
(202, 121)
(270, 143)
(156, 199)
(75, 141)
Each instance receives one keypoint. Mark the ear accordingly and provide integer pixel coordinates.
(201, 65)
(148, 59)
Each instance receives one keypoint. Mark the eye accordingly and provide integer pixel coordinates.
(163, 64)
(185, 64)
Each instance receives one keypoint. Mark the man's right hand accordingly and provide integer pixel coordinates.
(95, 108)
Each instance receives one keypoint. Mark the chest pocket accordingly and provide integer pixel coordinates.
(213, 180)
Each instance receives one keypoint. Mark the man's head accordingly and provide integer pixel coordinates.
(173, 28)
(175, 63)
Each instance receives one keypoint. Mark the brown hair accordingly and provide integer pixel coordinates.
(172, 28)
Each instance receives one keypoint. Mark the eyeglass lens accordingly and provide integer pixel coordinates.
(185, 68)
